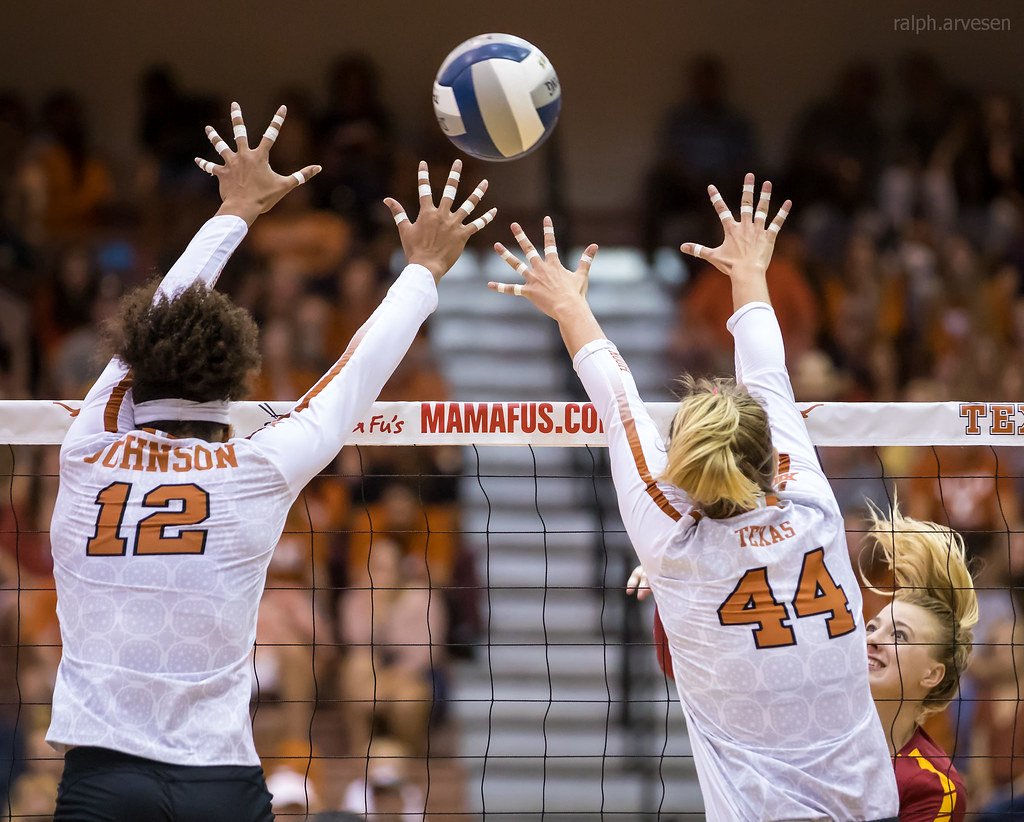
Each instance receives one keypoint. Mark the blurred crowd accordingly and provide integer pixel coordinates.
(898, 278)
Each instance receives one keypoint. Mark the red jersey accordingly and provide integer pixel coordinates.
(930, 788)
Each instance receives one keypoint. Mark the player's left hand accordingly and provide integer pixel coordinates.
(549, 285)
(638, 583)
(248, 185)
(749, 242)
(439, 234)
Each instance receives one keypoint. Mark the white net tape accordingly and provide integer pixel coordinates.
(44, 422)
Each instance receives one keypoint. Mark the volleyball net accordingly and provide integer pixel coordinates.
(445, 630)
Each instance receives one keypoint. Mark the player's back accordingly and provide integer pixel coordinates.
(771, 666)
(161, 547)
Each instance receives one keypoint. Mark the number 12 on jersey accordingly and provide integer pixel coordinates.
(752, 602)
(151, 537)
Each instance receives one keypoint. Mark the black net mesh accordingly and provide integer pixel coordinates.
(445, 631)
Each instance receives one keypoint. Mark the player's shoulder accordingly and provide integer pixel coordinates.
(147, 452)
(81, 449)
(815, 505)
(927, 780)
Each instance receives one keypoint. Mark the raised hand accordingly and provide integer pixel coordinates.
(439, 235)
(748, 242)
(638, 584)
(248, 185)
(549, 285)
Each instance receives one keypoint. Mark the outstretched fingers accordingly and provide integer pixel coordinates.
(762, 204)
(451, 186)
(217, 141)
(524, 243)
(304, 175)
(474, 199)
(587, 259)
(550, 246)
(780, 218)
(583, 269)
(207, 166)
(694, 250)
(238, 127)
(423, 186)
(516, 265)
(720, 207)
(483, 220)
(747, 200)
(397, 213)
(270, 135)
(513, 262)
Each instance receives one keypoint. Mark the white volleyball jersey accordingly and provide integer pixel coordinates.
(762, 610)
(161, 545)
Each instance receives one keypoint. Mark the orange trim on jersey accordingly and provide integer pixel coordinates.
(948, 804)
(628, 423)
(330, 375)
(113, 407)
(784, 466)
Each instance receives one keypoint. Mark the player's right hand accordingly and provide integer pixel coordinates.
(439, 234)
(638, 583)
(749, 241)
(248, 185)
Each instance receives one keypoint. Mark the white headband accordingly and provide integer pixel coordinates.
(177, 410)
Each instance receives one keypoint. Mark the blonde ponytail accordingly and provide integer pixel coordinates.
(929, 569)
(720, 450)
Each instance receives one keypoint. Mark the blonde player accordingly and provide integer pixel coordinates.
(918, 646)
(164, 524)
(753, 580)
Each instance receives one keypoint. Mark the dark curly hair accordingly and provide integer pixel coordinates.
(198, 346)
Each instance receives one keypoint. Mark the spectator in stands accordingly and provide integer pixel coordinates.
(65, 185)
(703, 345)
(836, 153)
(15, 346)
(862, 312)
(169, 121)
(294, 637)
(355, 143)
(294, 795)
(386, 788)
(14, 135)
(394, 625)
(703, 138)
(913, 182)
(12, 729)
(997, 738)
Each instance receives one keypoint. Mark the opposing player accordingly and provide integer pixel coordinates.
(918, 646)
(165, 524)
(760, 603)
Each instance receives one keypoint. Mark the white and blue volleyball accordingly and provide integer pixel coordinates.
(497, 97)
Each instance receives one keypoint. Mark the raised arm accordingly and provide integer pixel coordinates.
(309, 436)
(649, 511)
(248, 188)
(744, 255)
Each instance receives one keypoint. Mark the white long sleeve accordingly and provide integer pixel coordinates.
(761, 367)
(309, 436)
(650, 511)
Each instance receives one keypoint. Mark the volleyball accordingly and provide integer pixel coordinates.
(497, 97)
